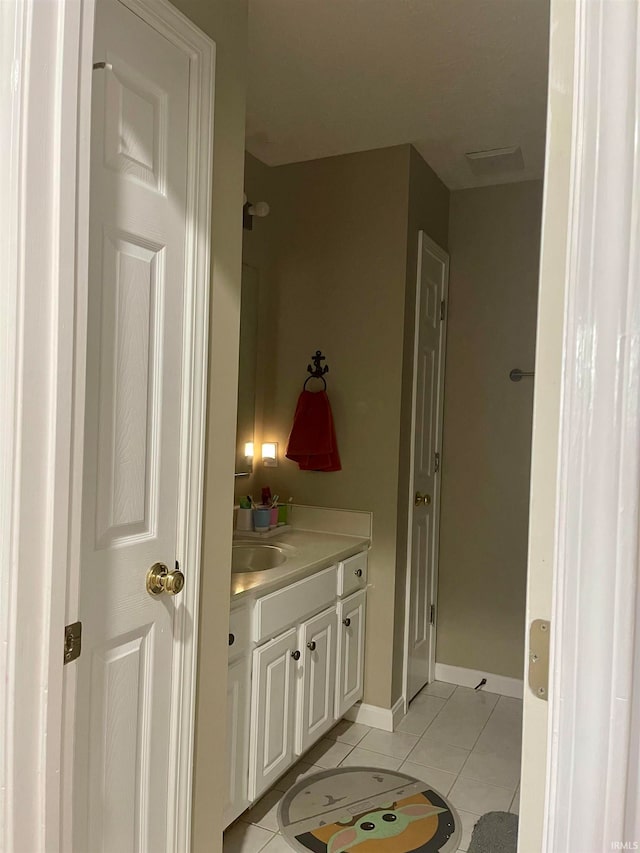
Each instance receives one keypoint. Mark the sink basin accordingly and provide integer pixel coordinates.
(256, 557)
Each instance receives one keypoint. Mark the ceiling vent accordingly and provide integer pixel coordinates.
(494, 161)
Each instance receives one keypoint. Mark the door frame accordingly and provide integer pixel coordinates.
(592, 784)
(438, 251)
(42, 371)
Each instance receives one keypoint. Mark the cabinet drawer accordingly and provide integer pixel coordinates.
(352, 574)
(284, 607)
(239, 632)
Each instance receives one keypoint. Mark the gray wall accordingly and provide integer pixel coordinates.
(494, 242)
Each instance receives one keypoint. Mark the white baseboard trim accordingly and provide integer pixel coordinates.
(377, 717)
(463, 677)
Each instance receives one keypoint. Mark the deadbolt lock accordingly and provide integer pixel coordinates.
(160, 579)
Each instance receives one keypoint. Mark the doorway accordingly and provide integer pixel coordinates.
(426, 449)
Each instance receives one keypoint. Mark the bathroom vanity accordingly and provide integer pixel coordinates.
(296, 651)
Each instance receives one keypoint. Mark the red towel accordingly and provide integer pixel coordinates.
(312, 442)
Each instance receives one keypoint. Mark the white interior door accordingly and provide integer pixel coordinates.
(433, 276)
(132, 433)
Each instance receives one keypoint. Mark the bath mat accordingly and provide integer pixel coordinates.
(495, 832)
(367, 810)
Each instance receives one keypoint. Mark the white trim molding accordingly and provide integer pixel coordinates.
(38, 215)
(463, 677)
(593, 795)
(378, 718)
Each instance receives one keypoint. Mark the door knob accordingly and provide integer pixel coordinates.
(160, 579)
(422, 499)
(311, 646)
(295, 655)
(346, 622)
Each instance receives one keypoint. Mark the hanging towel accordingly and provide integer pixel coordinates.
(312, 442)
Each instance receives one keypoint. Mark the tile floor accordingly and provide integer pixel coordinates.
(464, 743)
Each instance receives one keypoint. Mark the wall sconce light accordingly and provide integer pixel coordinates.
(249, 210)
(248, 450)
(270, 454)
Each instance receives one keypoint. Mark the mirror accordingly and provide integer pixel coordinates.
(249, 303)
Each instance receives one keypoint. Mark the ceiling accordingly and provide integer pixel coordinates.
(330, 77)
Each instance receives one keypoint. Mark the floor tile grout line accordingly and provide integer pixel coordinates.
(477, 739)
(459, 775)
(268, 841)
(425, 733)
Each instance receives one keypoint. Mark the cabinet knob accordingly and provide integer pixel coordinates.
(232, 639)
(295, 655)
(346, 621)
(358, 573)
(311, 646)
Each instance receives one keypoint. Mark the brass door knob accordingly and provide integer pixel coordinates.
(422, 499)
(160, 579)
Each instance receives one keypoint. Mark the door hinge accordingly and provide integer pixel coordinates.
(436, 466)
(72, 641)
(443, 306)
(432, 615)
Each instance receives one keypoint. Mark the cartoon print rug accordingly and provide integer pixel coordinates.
(367, 810)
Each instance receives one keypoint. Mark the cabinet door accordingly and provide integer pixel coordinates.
(316, 688)
(237, 739)
(349, 683)
(272, 711)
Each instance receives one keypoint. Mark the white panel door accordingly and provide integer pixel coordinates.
(132, 425)
(273, 689)
(350, 669)
(238, 684)
(316, 687)
(433, 274)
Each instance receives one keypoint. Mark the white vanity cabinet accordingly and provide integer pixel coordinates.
(238, 705)
(306, 670)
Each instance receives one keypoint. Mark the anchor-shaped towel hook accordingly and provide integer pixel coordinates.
(317, 371)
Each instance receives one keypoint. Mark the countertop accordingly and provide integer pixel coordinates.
(310, 551)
